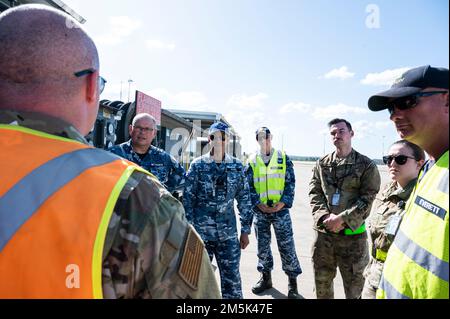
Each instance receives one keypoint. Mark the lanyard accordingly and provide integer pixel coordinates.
(337, 182)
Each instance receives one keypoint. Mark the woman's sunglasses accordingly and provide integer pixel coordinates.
(399, 159)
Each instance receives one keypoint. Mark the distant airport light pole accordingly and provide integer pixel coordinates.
(324, 139)
(121, 83)
(129, 88)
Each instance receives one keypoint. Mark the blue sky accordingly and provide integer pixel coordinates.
(291, 65)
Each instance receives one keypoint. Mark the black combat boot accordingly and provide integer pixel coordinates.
(264, 283)
(292, 289)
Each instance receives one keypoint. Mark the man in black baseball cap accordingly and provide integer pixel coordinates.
(418, 106)
(417, 263)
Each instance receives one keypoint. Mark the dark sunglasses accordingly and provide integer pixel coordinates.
(101, 80)
(263, 136)
(410, 101)
(212, 137)
(399, 159)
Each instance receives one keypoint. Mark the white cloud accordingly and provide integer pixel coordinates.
(383, 125)
(119, 28)
(246, 123)
(160, 94)
(187, 99)
(324, 131)
(159, 45)
(118, 92)
(295, 107)
(245, 101)
(113, 89)
(385, 78)
(190, 99)
(337, 110)
(364, 128)
(341, 73)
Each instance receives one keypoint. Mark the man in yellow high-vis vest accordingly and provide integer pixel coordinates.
(75, 221)
(271, 177)
(417, 262)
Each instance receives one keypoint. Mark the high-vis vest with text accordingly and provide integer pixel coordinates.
(269, 180)
(417, 262)
(56, 199)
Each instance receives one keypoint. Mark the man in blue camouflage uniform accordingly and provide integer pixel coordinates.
(213, 182)
(140, 151)
(270, 209)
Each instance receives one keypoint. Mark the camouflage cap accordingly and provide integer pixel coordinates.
(219, 127)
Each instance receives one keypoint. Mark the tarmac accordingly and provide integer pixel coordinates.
(303, 236)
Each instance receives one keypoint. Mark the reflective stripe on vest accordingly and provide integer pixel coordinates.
(16, 206)
(55, 205)
(387, 291)
(269, 180)
(422, 257)
(417, 265)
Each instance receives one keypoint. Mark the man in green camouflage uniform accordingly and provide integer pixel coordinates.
(342, 189)
(150, 249)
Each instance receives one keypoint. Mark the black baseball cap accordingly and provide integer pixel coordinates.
(411, 82)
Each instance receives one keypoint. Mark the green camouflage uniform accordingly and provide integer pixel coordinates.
(150, 248)
(384, 207)
(358, 181)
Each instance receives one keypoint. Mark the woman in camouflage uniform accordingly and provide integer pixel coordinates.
(404, 161)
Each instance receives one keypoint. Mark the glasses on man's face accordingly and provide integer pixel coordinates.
(410, 101)
(143, 129)
(212, 137)
(101, 80)
(399, 159)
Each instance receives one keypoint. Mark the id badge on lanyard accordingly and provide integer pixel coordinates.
(336, 198)
(393, 224)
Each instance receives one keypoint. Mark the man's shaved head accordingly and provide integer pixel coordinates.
(40, 50)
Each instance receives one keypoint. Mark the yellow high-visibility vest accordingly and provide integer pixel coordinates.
(269, 180)
(417, 262)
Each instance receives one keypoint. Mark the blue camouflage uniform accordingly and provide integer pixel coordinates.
(209, 195)
(158, 162)
(282, 225)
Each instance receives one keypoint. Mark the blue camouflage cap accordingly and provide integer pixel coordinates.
(219, 127)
